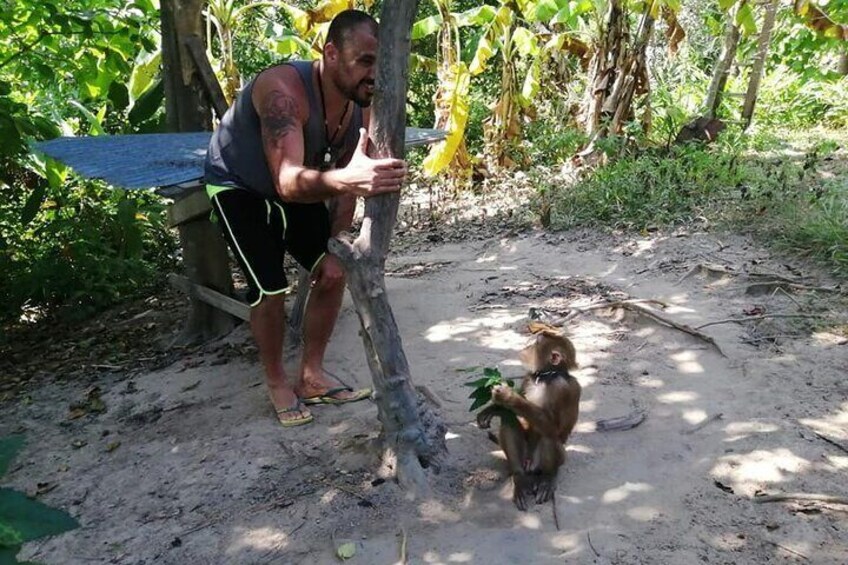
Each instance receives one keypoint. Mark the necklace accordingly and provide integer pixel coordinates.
(327, 152)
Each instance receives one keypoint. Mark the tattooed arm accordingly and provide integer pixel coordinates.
(282, 111)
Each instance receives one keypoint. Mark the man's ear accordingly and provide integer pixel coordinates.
(331, 52)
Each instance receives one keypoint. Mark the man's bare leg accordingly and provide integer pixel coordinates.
(322, 310)
(266, 322)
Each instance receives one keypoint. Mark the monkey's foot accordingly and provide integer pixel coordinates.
(522, 491)
(545, 488)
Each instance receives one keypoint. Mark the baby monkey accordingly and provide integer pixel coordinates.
(546, 407)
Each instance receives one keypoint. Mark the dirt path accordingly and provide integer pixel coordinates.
(204, 475)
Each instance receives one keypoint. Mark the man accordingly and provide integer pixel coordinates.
(294, 138)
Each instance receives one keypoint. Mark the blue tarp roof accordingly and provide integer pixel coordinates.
(156, 159)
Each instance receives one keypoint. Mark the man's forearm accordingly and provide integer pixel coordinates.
(306, 186)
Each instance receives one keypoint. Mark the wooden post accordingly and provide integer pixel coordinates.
(413, 434)
(187, 109)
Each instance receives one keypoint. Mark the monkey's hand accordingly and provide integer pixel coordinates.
(502, 394)
(484, 418)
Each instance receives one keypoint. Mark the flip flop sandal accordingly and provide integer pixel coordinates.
(292, 422)
(329, 397)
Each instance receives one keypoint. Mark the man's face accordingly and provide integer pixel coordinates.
(353, 65)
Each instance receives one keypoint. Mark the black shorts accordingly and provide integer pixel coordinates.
(260, 231)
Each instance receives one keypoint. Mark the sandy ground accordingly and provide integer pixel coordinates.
(204, 474)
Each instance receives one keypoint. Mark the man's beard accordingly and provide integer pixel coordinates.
(362, 100)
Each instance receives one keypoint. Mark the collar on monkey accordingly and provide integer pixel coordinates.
(546, 376)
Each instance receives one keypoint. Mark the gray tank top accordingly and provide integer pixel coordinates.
(236, 157)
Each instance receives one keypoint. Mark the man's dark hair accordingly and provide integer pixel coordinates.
(345, 22)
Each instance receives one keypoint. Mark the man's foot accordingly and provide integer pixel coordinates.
(338, 395)
(319, 390)
(288, 407)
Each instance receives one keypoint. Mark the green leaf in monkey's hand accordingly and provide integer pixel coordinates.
(482, 393)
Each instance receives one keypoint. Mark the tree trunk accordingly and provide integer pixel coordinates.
(613, 93)
(843, 63)
(413, 435)
(722, 68)
(759, 64)
(605, 64)
(620, 102)
(188, 108)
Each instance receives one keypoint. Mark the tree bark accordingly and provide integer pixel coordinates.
(843, 63)
(413, 434)
(620, 102)
(614, 88)
(187, 108)
(722, 68)
(605, 64)
(759, 64)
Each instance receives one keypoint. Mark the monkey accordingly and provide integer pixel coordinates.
(535, 422)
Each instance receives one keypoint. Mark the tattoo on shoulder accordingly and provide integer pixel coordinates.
(279, 116)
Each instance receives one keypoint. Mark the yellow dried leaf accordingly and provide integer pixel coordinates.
(456, 94)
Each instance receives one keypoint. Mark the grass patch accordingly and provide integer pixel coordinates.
(792, 192)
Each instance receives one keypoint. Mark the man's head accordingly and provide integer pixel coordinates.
(350, 55)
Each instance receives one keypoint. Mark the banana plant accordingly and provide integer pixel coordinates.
(225, 16)
(618, 72)
(516, 36)
(454, 79)
(311, 24)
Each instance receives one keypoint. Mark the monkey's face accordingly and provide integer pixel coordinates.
(530, 357)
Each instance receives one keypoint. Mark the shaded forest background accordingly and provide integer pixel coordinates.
(606, 106)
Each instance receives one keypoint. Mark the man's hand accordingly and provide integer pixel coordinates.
(364, 176)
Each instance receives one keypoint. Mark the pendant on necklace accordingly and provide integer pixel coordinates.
(327, 156)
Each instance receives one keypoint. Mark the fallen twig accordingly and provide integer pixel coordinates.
(107, 367)
(476, 307)
(425, 391)
(831, 442)
(704, 424)
(773, 276)
(635, 307)
(754, 318)
(621, 423)
(402, 546)
(756, 340)
(595, 551)
(706, 267)
(789, 296)
(801, 496)
(348, 490)
(763, 287)
(786, 549)
(577, 311)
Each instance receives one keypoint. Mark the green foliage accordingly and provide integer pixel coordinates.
(744, 182)
(78, 68)
(482, 393)
(789, 101)
(652, 188)
(21, 518)
(86, 246)
(549, 143)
